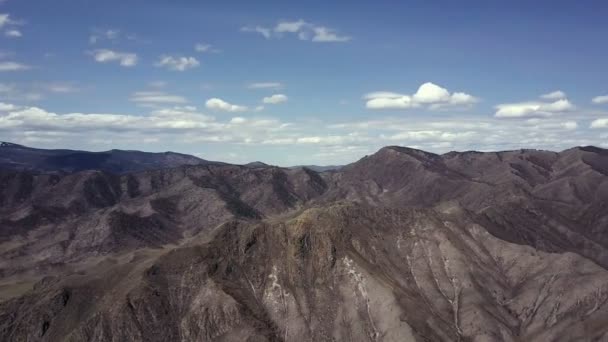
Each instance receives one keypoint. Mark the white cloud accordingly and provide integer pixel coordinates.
(237, 120)
(600, 99)
(432, 135)
(13, 66)
(177, 63)
(6, 107)
(109, 35)
(221, 105)
(265, 85)
(396, 102)
(290, 26)
(569, 125)
(599, 123)
(533, 109)
(61, 87)
(327, 35)
(303, 30)
(275, 99)
(555, 95)
(98, 35)
(428, 94)
(5, 20)
(125, 59)
(199, 47)
(148, 98)
(431, 93)
(13, 33)
(264, 31)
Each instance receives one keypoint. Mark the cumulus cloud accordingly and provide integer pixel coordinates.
(555, 95)
(600, 99)
(599, 123)
(221, 105)
(428, 95)
(301, 29)
(265, 85)
(177, 63)
(275, 99)
(125, 59)
(5, 107)
(150, 98)
(533, 109)
(13, 66)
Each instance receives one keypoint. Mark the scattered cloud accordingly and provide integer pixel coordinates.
(186, 126)
(109, 35)
(221, 105)
(35, 91)
(429, 95)
(238, 120)
(327, 35)
(177, 63)
(265, 85)
(535, 108)
(13, 66)
(555, 95)
(600, 99)
(266, 32)
(125, 59)
(13, 33)
(275, 99)
(153, 98)
(205, 48)
(303, 30)
(101, 35)
(61, 87)
(599, 123)
(5, 19)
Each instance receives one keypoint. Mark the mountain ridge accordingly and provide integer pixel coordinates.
(399, 245)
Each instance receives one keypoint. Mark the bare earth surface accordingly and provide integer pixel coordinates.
(403, 245)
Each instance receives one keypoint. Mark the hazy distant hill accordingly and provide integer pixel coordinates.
(17, 157)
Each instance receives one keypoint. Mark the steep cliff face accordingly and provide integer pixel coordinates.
(403, 245)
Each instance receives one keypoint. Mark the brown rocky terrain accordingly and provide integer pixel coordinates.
(402, 245)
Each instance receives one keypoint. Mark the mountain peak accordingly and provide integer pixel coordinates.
(9, 144)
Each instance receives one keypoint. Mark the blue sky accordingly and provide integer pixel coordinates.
(300, 83)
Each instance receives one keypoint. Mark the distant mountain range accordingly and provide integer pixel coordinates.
(18, 157)
(401, 245)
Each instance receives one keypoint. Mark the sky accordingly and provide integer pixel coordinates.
(309, 82)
